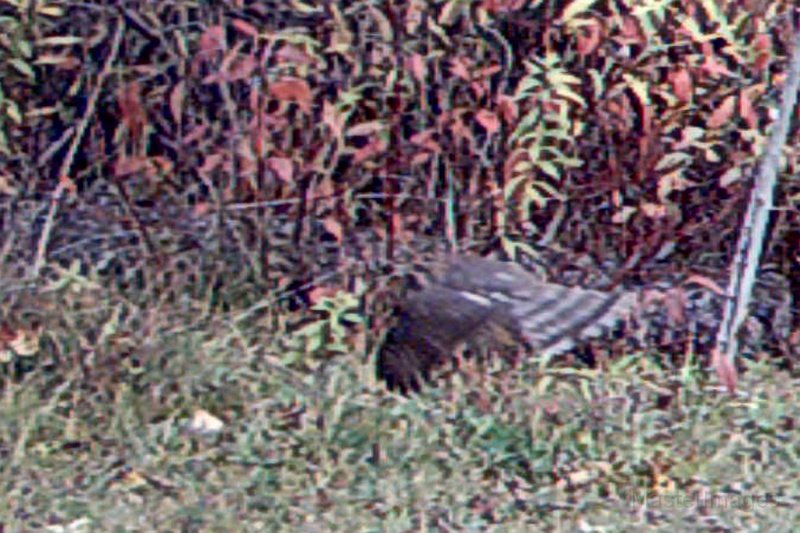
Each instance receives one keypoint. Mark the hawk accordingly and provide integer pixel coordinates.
(478, 299)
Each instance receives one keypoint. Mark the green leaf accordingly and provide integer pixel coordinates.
(13, 112)
(575, 8)
(563, 78)
(549, 168)
(672, 159)
(24, 68)
(24, 48)
(60, 40)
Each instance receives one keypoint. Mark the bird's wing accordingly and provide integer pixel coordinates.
(473, 296)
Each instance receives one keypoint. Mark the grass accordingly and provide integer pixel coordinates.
(97, 437)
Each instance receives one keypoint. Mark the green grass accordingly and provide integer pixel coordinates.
(98, 442)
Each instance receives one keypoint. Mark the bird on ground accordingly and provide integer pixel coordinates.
(475, 300)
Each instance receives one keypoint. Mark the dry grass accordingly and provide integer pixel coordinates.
(320, 446)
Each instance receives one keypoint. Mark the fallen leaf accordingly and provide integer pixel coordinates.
(204, 423)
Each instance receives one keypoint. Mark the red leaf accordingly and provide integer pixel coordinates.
(508, 108)
(508, 6)
(723, 113)
(242, 68)
(325, 188)
(654, 210)
(65, 182)
(373, 148)
(128, 166)
(210, 163)
(632, 31)
(711, 65)
(588, 38)
(212, 40)
(747, 111)
(458, 127)
(487, 72)
(480, 88)
(202, 209)
(197, 132)
(129, 99)
(488, 119)
(176, 102)
(365, 128)
(420, 158)
(245, 27)
(160, 166)
(726, 372)
(282, 167)
(675, 302)
(292, 54)
(705, 282)
(763, 46)
(682, 85)
(461, 68)
(316, 294)
(425, 139)
(333, 118)
(334, 227)
(416, 64)
(292, 90)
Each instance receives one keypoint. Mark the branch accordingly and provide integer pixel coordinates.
(66, 165)
(754, 227)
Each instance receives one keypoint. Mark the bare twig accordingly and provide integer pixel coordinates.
(753, 234)
(66, 164)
